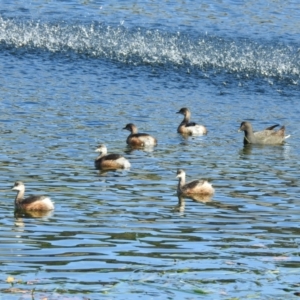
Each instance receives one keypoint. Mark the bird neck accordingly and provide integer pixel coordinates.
(186, 118)
(19, 197)
(249, 136)
(181, 183)
(100, 155)
(134, 130)
(103, 151)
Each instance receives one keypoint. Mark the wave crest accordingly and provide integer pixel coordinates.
(147, 46)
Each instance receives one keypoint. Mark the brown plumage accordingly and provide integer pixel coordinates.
(267, 136)
(187, 127)
(110, 161)
(31, 203)
(136, 139)
(200, 187)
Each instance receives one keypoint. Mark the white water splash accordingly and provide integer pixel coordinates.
(141, 46)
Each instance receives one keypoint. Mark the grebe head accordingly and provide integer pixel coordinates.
(183, 111)
(130, 127)
(18, 186)
(101, 148)
(180, 173)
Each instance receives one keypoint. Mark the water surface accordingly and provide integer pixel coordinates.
(73, 74)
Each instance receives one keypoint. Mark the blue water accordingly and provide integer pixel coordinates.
(74, 73)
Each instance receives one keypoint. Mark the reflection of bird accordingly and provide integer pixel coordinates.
(198, 198)
(136, 139)
(181, 204)
(110, 161)
(267, 136)
(42, 203)
(199, 187)
(32, 214)
(187, 127)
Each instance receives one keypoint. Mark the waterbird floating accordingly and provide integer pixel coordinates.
(31, 203)
(110, 161)
(268, 136)
(187, 127)
(199, 187)
(136, 139)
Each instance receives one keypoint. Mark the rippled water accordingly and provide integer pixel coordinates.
(72, 75)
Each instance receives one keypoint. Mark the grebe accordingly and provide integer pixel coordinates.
(31, 203)
(199, 187)
(110, 161)
(187, 127)
(136, 139)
